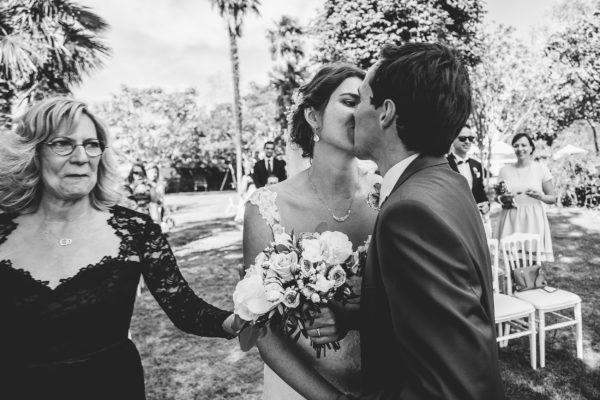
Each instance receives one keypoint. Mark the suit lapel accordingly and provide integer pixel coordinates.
(421, 162)
(452, 162)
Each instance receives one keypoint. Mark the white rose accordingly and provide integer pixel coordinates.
(274, 292)
(338, 275)
(291, 298)
(336, 247)
(249, 298)
(322, 284)
(312, 250)
(260, 259)
(284, 264)
(307, 291)
(315, 298)
(283, 241)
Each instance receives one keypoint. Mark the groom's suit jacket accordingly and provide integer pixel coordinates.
(427, 315)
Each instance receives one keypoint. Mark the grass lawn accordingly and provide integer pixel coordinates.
(181, 366)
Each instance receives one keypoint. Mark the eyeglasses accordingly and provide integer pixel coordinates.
(65, 147)
(465, 138)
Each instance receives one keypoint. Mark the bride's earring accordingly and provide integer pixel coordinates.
(316, 137)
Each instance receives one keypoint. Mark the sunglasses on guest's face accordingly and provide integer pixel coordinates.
(465, 138)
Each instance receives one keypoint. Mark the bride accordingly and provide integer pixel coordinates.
(329, 195)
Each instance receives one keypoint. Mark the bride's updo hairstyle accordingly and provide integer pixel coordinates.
(316, 94)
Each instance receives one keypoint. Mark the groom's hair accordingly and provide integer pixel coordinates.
(431, 91)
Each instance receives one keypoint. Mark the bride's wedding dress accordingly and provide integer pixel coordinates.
(341, 368)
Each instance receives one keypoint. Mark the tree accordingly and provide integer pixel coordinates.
(354, 31)
(510, 88)
(151, 125)
(234, 12)
(287, 52)
(46, 47)
(575, 52)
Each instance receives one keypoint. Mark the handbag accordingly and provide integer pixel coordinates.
(529, 278)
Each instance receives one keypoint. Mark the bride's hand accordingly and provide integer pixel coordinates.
(327, 327)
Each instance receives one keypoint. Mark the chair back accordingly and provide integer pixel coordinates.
(520, 250)
(494, 253)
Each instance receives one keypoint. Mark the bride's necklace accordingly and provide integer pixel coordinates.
(335, 217)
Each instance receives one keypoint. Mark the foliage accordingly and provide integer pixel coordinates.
(289, 69)
(510, 89)
(153, 125)
(575, 52)
(150, 125)
(354, 31)
(46, 46)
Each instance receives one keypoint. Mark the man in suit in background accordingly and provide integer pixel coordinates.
(426, 314)
(472, 170)
(468, 167)
(269, 170)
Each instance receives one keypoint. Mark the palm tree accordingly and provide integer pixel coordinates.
(234, 12)
(16, 63)
(288, 72)
(47, 46)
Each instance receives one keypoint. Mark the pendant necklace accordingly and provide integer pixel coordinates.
(335, 217)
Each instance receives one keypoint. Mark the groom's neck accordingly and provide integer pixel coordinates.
(391, 155)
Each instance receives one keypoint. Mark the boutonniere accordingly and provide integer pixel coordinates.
(374, 196)
(476, 173)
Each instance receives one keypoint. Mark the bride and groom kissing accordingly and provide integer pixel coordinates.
(424, 326)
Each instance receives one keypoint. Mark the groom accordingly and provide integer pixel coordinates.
(427, 313)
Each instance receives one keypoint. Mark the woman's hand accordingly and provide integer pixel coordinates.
(233, 324)
(506, 198)
(534, 194)
(327, 327)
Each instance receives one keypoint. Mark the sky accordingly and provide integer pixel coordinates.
(175, 44)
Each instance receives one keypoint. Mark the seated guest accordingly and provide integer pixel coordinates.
(269, 170)
(71, 260)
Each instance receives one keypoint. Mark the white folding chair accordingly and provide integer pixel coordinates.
(511, 312)
(521, 250)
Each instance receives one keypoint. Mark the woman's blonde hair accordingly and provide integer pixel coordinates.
(20, 172)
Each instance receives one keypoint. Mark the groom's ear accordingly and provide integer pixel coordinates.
(388, 116)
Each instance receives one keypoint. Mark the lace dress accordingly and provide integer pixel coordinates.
(341, 368)
(71, 342)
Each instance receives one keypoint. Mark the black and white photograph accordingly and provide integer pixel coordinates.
(299, 199)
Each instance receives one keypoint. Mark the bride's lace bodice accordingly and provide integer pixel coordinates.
(342, 368)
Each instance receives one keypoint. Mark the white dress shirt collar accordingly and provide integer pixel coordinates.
(459, 158)
(391, 177)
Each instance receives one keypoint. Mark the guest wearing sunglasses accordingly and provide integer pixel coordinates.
(472, 170)
(70, 262)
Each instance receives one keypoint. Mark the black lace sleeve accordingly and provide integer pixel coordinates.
(162, 276)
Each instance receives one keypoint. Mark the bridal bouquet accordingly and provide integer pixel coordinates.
(292, 278)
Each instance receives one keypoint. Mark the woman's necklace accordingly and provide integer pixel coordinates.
(62, 240)
(335, 217)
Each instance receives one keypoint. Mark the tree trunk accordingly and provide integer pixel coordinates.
(237, 108)
(595, 134)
